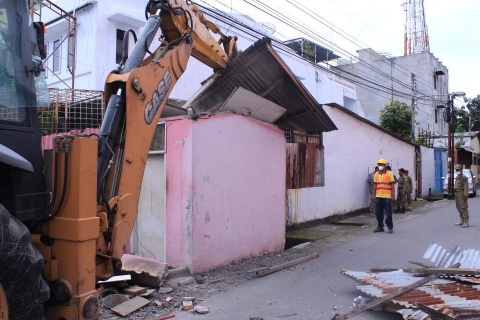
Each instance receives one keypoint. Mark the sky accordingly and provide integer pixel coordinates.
(348, 25)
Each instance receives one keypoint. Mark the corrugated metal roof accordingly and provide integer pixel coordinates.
(445, 296)
(261, 70)
(468, 258)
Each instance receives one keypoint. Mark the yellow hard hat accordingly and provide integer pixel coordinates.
(382, 161)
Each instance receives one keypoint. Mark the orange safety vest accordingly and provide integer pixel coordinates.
(384, 184)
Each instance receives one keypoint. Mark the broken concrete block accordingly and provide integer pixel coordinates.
(145, 271)
(134, 290)
(200, 309)
(187, 305)
(178, 272)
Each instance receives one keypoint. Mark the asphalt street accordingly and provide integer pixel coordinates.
(318, 290)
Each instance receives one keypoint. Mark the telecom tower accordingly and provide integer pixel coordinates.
(416, 33)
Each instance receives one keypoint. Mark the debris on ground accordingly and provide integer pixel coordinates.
(429, 292)
(144, 271)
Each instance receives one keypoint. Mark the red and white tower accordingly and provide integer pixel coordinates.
(416, 33)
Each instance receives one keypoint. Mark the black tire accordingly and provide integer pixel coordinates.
(21, 267)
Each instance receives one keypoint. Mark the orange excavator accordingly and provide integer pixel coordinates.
(57, 241)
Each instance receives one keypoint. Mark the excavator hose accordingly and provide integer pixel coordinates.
(21, 267)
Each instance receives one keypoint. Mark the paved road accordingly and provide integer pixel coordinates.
(317, 290)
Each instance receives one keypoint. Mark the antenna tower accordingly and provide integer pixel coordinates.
(416, 33)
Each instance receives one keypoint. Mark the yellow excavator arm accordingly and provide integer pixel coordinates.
(181, 19)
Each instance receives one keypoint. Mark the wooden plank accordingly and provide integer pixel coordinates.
(421, 264)
(265, 271)
(130, 306)
(387, 297)
(427, 271)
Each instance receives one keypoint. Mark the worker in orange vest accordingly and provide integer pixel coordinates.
(384, 195)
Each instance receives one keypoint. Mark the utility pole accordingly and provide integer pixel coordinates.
(451, 140)
(414, 103)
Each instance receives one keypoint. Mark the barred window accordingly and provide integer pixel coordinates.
(305, 159)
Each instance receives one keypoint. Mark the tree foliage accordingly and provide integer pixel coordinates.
(397, 118)
(468, 115)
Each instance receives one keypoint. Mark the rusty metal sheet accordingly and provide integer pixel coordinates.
(449, 297)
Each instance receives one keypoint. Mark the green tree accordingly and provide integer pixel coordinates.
(397, 118)
(468, 115)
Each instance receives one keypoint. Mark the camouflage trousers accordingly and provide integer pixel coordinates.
(462, 205)
(402, 200)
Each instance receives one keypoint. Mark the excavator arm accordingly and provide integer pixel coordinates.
(137, 92)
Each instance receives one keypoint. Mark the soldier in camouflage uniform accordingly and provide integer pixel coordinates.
(402, 191)
(409, 192)
(461, 196)
(370, 188)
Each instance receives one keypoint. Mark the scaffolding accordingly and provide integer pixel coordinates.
(37, 7)
(71, 110)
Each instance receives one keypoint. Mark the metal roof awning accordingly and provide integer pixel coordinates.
(311, 50)
(261, 71)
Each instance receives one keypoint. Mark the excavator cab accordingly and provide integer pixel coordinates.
(22, 187)
(23, 191)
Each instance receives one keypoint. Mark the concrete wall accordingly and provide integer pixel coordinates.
(350, 154)
(225, 190)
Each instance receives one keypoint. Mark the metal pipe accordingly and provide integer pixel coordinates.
(143, 43)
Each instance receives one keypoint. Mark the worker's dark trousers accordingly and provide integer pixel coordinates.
(384, 205)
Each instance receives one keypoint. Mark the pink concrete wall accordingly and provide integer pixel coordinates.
(178, 162)
(225, 191)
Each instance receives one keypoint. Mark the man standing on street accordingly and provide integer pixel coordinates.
(384, 194)
(461, 196)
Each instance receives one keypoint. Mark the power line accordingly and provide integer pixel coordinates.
(225, 18)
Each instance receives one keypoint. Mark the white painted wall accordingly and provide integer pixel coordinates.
(351, 153)
(96, 39)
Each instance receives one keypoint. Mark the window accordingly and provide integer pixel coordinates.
(435, 78)
(305, 160)
(158, 141)
(56, 55)
(119, 45)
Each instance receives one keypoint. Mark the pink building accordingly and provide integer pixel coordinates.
(224, 197)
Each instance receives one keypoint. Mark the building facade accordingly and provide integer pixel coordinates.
(419, 80)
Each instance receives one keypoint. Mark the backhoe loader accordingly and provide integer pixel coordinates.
(58, 240)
